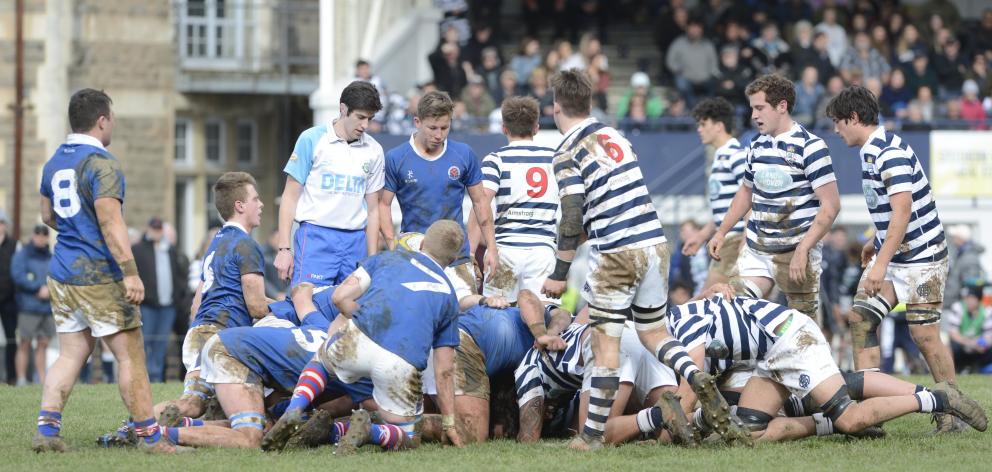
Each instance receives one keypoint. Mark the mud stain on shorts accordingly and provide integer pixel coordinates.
(505, 278)
(619, 271)
(409, 391)
(804, 339)
(470, 368)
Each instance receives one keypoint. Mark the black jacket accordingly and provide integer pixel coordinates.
(144, 258)
(7, 249)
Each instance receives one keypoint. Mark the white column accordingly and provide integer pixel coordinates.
(324, 101)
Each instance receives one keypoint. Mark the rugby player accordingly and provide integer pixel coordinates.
(791, 191)
(714, 123)
(791, 356)
(390, 343)
(603, 196)
(906, 261)
(429, 176)
(520, 178)
(93, 280)
(333, 181)
(231, 291)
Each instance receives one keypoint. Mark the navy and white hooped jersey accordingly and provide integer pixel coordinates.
(726, 173)
(745, 325)
(409, 307)
(522, 175)
(889, 166)
(783, 171)
(231, 254)
(595, 161)
(554, 372)
(80, 172)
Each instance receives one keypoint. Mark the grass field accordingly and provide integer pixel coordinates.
(96, 409)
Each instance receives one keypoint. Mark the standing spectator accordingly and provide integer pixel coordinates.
(836, 35)
(455, 19)
(972, 110)
(969, 325)
(965, 262)
(864, 58)
(30, 271)
(450, 73)
(8, 303)
(951, 66)
(164, 280)
(692, 61)
(275, 288)
(528, 58)
(482, 39)
(672, 23)
(808, 94)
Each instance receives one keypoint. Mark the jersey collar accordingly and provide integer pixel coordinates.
(576, 127)
(444, 149)
(522, 142)
(879, 133)
(79, 138)
(236, 225)
(332, 136)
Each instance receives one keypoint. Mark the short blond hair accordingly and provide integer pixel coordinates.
(435, 105)
(231, 187)
(443, 241)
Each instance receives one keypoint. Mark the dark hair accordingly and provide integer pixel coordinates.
(86, 107)
(717, 110)
(361, 95)
(520, 115)
(573, 92)
(776, 88)
(361, 62)
(230, 188)
(435, 104)
(854, 100)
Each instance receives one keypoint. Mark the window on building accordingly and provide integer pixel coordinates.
(214, 136)
(183, 147)
(211, 29)
(246, 142)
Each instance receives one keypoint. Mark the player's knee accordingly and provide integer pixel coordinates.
(921, 316)
(805, 303)
(609, 322)
(855, 384)
(754, 420)
(870, 311)
(836, 406)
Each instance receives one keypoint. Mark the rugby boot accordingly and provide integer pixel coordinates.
(581, 442)
(275, 439)
(170, 416)
(675, 420)
(961, 406)
(315, 432)
(717, 413)
(359, 426)
(41, 443)
(123, 437)
(947, 424)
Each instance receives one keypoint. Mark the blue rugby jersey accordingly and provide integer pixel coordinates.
(783, 171)
(80, 172)
(431, 190)
(595, 161)
(409, 307)
(522, 175)
(726, 173)
(501, 334)
(231, 254)
(889, 166)
(744, 325)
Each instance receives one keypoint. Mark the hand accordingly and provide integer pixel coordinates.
(43, 293)
(553, 288)
(724, 290)
(872, 284)
(716, 243)
(452, 437)
(134, 290)
(497, 301)
(867, 253)
(797, 268)
(692, 245)
(284, 264)
(491, 261)
(548, 342)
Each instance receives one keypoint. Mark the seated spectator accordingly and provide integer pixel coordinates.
(734, 77)
(527, 58)
(692, 61)
(401, 112)
(636, 120)
(896, 95)
(914, 120)
(640, 87)
(836, 35)
(508, 87)
(920, 74)
(969, 325)
(477, 103)
(924, 101)
(589, 47)
(565, 53)
(982, 34)
(599, 74)
(808, 94)
(552, 61)
(482, 38)
(492, 66)
(539, 90)
(460, 121)
(771, 44)
(673, 21)
(880, 41)
(909, 46)
(952, 113)
(455, 23)
(971, 106)
(951, 66)
(835, 85)
(815, 55)
(864, 58)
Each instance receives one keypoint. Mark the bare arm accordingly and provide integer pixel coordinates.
(531, 419)
(346, 295)
(739, 206)
(287, 213)
(532, 314)
(253, 288)
(47, 215)
(372, 227)
(829, 207)
(444, 370)
(111, 220)
(386, 218)
(197, 299)
(484, 215)
(475, 233)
